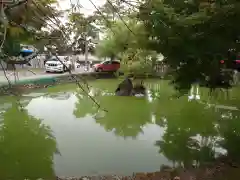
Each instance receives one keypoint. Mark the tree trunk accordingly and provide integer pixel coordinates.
(86, 53)
(112, 57)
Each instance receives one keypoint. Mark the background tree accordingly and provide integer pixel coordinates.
(59, 38)
(110, 12)
(127, 42)
(83, 30)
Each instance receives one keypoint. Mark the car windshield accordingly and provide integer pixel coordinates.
(105, 62)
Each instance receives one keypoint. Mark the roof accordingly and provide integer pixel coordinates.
(26, 50)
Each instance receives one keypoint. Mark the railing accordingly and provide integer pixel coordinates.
(160, 68)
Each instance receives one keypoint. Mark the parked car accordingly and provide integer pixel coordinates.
(54, 65)
(237, 65)
(107, 66)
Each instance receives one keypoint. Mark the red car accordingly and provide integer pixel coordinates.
(107, 66)
(235, 65)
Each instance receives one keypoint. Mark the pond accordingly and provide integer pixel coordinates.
(61, 131)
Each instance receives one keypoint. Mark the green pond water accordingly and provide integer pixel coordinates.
(60, 131)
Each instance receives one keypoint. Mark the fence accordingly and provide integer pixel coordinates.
(161, 69)
(37, 63)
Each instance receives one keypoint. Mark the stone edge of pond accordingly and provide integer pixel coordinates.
(222, 167)
(216, 171)
(45, 82)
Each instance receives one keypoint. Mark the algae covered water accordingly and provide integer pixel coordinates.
(60, 131)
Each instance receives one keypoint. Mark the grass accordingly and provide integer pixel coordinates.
(31, 69)
(5, 99)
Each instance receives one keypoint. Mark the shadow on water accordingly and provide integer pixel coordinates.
(27, 146)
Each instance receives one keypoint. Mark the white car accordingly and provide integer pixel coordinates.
(54, 65)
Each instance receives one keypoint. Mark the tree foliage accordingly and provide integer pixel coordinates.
(111, 12)
(84, 30)
(122, 37)
(127, 41)
(24, 23)
(196, 34)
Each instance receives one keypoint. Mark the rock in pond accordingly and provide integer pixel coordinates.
(126, 88)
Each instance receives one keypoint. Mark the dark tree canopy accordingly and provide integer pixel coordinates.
(195, 34)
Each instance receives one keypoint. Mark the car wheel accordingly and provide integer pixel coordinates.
(99, 70)
(47, 71)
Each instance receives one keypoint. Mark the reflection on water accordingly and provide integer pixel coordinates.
(26, 146)
(194, 93)
(93, 144)
(197, 133)
(60, 95)
(136, 134)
